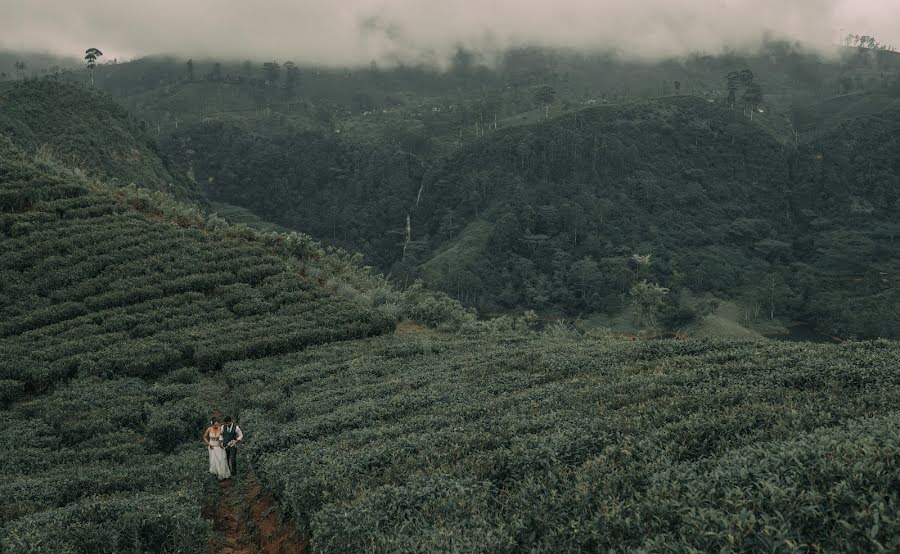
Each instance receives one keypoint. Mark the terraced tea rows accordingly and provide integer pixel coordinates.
(556, 445)
(101, 288)
(125, 319)
(116, 309)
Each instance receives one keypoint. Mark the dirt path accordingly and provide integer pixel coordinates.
(248, 521)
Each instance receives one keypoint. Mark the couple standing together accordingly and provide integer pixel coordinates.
(222, 441)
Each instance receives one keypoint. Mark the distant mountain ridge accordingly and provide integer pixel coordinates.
(510, 198)
(561, 208)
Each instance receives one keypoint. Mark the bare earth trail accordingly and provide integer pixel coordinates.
(248, 521)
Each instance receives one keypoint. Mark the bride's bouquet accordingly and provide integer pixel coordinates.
(231, 443)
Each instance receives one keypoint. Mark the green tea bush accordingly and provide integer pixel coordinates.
(514, 442)
(127, 317)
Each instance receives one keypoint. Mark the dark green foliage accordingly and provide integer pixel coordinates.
(83, 476)
(126, 318)
(677, 177)
(77, 127)
(558, 444)
(549, 216)
(115, 304)
(349, 194)
(713, 199)
(160, 294)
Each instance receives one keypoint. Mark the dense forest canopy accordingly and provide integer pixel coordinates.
(535, 183)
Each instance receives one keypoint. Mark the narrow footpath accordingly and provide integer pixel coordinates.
(249, 521)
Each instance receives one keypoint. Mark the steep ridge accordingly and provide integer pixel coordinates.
(85, 128)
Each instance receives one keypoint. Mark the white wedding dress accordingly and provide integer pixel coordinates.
(218, 464)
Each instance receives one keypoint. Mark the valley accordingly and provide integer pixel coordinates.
(538, 322)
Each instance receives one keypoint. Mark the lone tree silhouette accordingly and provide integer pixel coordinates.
(90, 56)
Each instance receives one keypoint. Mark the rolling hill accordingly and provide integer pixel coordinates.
(606, 172)
(128, 318)
(118, 308)
(85, 128)
(550, 216)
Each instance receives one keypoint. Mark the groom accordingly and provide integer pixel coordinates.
(231, 437)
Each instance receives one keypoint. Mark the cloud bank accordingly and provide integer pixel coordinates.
(354, 32)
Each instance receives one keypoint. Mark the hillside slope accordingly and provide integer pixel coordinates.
(511, 443)
(127, 319)
(720, 207)
(117, 306)
(563, 207)
(85, 128)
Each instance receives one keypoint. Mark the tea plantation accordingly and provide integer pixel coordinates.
(126, 319)
(117, 306)
(508, 444)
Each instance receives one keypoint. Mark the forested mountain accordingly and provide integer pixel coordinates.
(718, 204)
(553, 216)
(384, 419)
(556, 181)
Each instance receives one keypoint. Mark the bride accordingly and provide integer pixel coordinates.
(218, 464)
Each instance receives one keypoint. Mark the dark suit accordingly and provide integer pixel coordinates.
(231, 432)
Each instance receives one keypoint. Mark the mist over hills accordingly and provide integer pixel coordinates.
(634, 228)
(410, 32)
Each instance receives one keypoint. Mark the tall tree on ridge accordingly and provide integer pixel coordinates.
(90, 56)
(753, 97)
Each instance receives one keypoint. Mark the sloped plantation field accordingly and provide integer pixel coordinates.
(116, 309)
(561, 444)
(126, 319)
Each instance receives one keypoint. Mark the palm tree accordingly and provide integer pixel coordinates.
(91, 55)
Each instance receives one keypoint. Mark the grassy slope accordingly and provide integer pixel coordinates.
(456, 254)
(85, 128)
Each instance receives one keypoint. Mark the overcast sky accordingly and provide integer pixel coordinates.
(358, 31)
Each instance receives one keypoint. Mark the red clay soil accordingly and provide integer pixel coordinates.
(248, 521)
